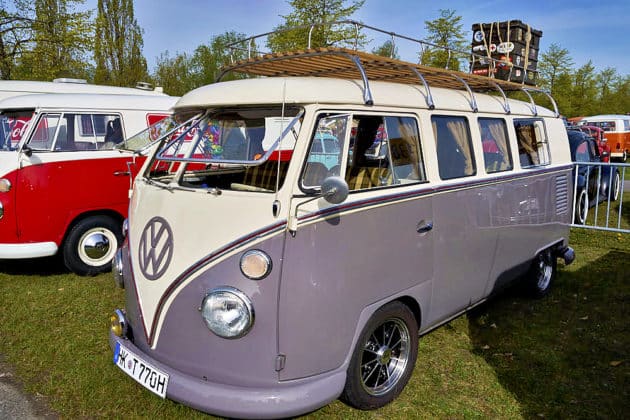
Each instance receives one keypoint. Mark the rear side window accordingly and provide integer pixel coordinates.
(454, 150)
(533, 146)
(496, 148)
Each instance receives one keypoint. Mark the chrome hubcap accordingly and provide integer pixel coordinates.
(97, 247)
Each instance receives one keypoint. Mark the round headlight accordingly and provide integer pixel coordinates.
(227, 312)
(5, 185)
(255, 264)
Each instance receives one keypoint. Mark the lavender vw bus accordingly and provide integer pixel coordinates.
(261, 282)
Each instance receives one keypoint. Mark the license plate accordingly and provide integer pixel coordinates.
(144, 373)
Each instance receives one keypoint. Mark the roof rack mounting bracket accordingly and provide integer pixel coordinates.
(428, 97)
(505, 104)
(367, 93)
(472, 101)
(544, 92)
(532, 104)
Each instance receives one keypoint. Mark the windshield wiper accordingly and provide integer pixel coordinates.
(171, 186)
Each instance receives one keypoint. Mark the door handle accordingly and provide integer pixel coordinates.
(122, 173)
(424, 226)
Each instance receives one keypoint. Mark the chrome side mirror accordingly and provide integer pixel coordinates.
(334, 190)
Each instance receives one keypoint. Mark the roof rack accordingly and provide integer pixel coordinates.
(345, 63)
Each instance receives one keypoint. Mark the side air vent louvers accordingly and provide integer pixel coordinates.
(562, 194)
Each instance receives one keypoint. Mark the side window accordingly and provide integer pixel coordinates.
(383, 151)
(72, 132)
(43, 137)
(404, 148)
(496, 148)
(533, 147)
(581, 152)
(325, 157)
(454, 150)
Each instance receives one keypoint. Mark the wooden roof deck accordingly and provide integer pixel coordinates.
(345, 63)
(337, 62)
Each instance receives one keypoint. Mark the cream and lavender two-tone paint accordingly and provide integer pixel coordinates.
(425, 228)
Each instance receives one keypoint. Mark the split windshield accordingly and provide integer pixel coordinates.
(13, 127)
(244, 149)
(172, 126)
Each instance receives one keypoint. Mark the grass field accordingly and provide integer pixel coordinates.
(566, 356)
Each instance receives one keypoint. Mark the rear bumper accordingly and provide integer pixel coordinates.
(286, 399)
(567, 254)
(32, 250)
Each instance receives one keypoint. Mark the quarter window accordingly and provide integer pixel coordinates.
(454, 150)
(496, 149)
(533, 147)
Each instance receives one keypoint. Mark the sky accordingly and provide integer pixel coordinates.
(589, 30)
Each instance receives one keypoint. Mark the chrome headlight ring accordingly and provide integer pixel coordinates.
(227, 312)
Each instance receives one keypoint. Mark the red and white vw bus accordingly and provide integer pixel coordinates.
(66, 171)
(9, 88)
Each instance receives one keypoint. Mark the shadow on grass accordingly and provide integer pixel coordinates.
(34, 266)
(565, 356)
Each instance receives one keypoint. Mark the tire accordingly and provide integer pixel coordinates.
(91, 244)
(581, 207)
(541, 274)
(383, 359)
(615, 184)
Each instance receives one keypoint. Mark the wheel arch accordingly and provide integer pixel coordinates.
(413, 305)
(87, 214)
(412, 298)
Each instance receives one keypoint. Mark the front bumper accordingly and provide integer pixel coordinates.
(286, 399)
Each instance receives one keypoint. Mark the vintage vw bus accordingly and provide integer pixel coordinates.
(617, 132)
(265, 283)
(9, 88)
(66, 172)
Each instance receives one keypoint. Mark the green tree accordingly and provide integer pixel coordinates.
(208, 60)
(307, 12)
(61, 40)
(605, 81)
(447, 35)
(182, 73)
(118, 45)
(584, 92)
(16, 34)
(553, 62)
(173, 73)
(387, 49)
(618, 101)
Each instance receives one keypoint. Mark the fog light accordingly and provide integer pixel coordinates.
(118, 323)
(255, 264)
(5, 185)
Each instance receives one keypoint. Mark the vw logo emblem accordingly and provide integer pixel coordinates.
(156, 248)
